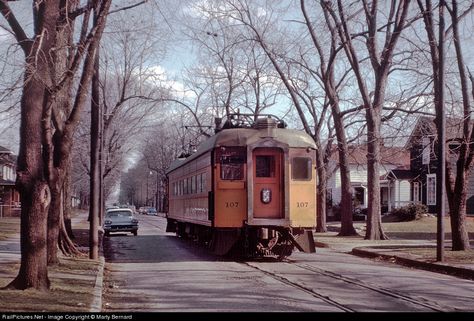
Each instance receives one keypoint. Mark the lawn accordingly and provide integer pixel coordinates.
(423, 225)
(422, 229)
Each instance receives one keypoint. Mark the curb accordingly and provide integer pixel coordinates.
(433, 267)
(96, 305)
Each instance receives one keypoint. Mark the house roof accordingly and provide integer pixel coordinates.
(6, 156)
(397, 156)
(4, 150)
(399, 173)
(425, 126)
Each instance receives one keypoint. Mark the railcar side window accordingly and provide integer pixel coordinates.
(203, 182)
(193, 185)
(301, 169)
(265, 166)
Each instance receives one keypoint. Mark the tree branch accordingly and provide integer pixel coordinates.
(18, 31)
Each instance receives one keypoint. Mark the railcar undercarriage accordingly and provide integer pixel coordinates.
(249, 241)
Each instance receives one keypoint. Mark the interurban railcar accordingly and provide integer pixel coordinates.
(249, 189)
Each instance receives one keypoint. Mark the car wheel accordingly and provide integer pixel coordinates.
(107, 233)
(135, 233)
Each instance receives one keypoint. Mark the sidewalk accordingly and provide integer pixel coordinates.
(407, 252)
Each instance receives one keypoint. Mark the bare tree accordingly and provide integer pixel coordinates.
(328, 60)
(380, 61)
(461, 151)
(42, 161)
(160, 150)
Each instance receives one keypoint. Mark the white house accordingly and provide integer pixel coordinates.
(395, 177)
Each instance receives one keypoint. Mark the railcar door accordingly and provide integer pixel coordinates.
(268, 183)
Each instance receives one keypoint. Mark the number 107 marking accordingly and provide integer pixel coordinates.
(232, 204)
(302, 204)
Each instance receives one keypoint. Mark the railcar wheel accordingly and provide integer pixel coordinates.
(282, 250)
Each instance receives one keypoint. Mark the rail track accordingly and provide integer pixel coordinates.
(420, 302)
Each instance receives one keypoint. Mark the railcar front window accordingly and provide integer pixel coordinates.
(232, 171)
(301, 169)
(231, 160)
(265, 166)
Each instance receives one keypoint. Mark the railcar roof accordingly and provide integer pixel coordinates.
(248, 136)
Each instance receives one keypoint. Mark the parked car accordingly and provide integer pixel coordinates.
(120, 220)
(142, 210)
(151, 211)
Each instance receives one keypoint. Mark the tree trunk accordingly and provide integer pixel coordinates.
(33, 271)
(31, 178)
(459, 234)
(457, 208)
(374, 220)
(347, 224)
(460, 237)
(66, 245)
(321, 192)
(34, 191)
(53, 223)
(67, 197)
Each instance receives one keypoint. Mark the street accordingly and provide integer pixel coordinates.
(158, 272)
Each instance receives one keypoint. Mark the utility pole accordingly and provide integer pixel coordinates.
(146, 200)
(441, 129)
(94, 170)
(101, 161)
(94, 159)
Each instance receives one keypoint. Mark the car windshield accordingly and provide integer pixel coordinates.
(118, 214)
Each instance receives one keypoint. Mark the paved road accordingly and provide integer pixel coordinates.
(157, 272)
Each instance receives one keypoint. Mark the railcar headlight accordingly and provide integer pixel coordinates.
(266, 195)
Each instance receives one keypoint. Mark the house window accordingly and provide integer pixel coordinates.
(426, 151)
(416, 191)
(431, 189)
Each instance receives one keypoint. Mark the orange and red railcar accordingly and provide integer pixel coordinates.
(247, 190)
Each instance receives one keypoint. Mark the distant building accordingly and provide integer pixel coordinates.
(424, 164)
(394, 186)
(9, 196)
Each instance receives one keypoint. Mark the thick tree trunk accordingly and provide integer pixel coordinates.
(34, 191)
(347, 224)
(34, 208)
(374, 220)
(459, 234)
(457, 209)
(66, 245)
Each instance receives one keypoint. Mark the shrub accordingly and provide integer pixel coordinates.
(410, 212)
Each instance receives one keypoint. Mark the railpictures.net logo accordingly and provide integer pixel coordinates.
(68, 317)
